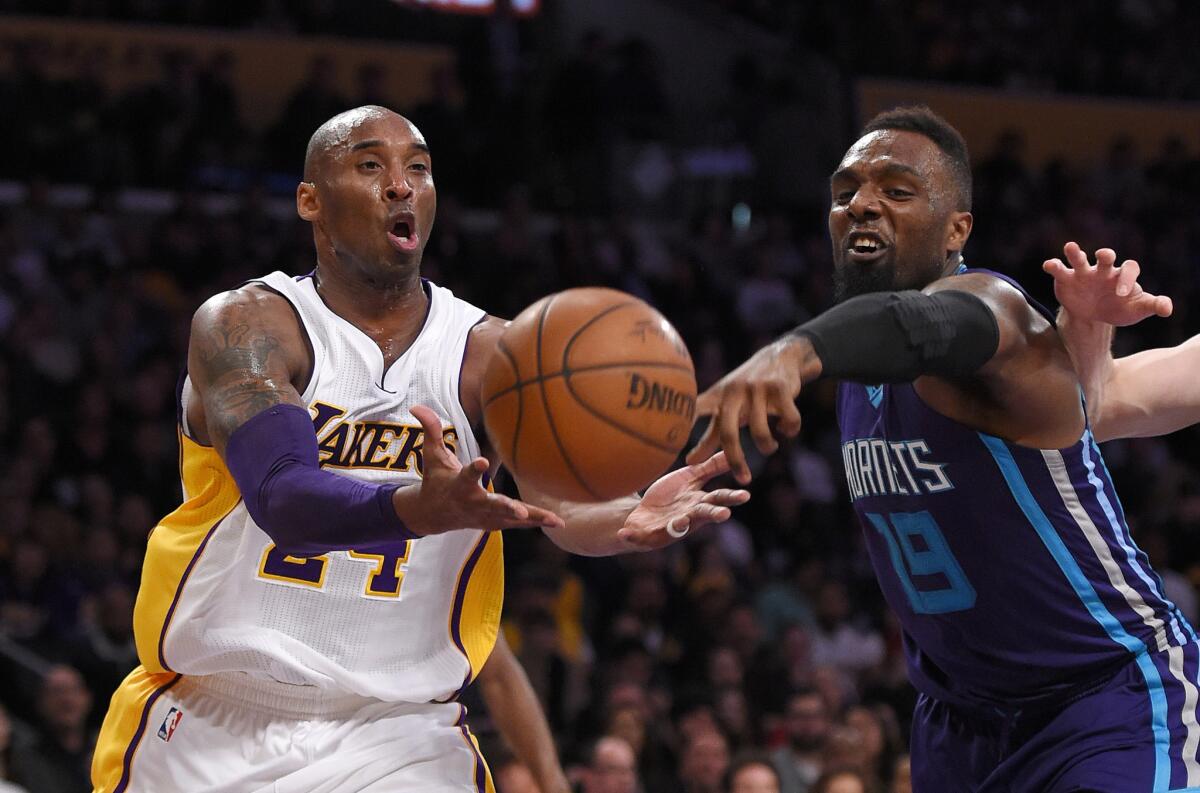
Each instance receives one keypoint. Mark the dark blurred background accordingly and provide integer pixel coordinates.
(678, 150)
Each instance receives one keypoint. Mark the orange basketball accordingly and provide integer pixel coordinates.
(590, 395)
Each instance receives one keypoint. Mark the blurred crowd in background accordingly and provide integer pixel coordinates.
(760, 646)
(1116, 47)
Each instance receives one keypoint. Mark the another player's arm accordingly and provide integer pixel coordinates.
(670, 507)
(1150, 393)
(972, 344)
(677, 502)
(246, 357)
(518, 714)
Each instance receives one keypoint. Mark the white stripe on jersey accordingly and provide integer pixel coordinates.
(1062, 481)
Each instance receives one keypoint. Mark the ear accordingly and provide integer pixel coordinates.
(307, 205)
(958, 229)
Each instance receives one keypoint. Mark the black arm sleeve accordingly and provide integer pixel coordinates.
(895, 337)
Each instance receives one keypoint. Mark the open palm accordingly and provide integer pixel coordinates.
(679, 499)
(1103, 292)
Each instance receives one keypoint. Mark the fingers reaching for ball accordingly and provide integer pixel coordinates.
(677, 505)
(762, 388)
(452, 495)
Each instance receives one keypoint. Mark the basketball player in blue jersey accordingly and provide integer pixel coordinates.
(310, 613)
(1045, 655)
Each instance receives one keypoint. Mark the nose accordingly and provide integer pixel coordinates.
(398, 190)
(863, 205)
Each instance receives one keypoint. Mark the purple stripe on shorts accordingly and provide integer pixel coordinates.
(480, 766)
(127, 764)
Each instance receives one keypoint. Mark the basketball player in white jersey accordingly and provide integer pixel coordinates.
(308, 616)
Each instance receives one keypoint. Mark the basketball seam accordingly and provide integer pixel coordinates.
(567, 372)
(631, 433)
(578, 331)
(599, 367)
(546, 404)
(520, 402)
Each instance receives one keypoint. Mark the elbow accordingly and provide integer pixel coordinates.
(1103, 430)
(277, 530)
(281, 518)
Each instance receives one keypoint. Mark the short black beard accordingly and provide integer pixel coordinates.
(851, 280)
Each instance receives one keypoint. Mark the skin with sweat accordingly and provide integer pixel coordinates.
(895, 224)
(369, 195)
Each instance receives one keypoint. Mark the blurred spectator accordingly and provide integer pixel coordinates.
(316, 100)
(443, 119)
(104, 651)
(58, 759)
(878, 737)
(703, 763)
(641, 109)
(576, 112)
(6, 753)
(752, 773)
(612, 769)
(838, 641)
(843, 780)
(513, 777)
(808, 727)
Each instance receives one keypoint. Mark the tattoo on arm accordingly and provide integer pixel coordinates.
(242, 371)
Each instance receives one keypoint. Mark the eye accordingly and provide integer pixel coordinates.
(369, 165)
(419, 166)
(899, 192)
(843, 197)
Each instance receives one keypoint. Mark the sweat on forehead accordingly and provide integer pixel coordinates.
(887, 146)
(337, 132)
(900, 150)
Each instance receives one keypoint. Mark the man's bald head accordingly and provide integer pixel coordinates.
(336, 132)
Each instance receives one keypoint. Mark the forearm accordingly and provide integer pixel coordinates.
(1151, 393)
(590, 529)
(1090, 346)
(306, 511)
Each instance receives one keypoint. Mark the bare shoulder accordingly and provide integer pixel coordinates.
(1005, 300)
(1027, 392)
(247, 305)
(246, 353)
(481, 344)
(249, 320)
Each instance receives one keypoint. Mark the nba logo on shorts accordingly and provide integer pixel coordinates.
(167, 729)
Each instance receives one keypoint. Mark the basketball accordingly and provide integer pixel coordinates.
(590, 395)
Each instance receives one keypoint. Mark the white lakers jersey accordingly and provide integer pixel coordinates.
(409, 622)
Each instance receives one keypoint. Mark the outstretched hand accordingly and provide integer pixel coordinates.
(677, 503)
(1103, 292)
(765, 385)
(451, 495)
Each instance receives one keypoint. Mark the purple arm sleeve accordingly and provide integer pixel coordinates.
(304, 510)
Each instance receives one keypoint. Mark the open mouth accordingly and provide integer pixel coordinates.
(865, 246)
(403, 234)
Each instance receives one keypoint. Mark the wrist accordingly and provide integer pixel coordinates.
(1068, 318)
(798, 354)
(407, 504)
